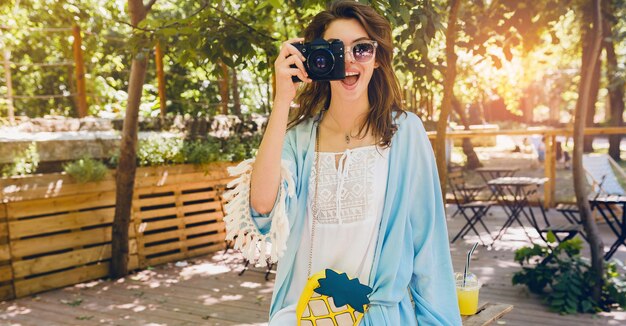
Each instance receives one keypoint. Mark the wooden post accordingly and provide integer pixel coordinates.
(80, 72)
(160, 81)
(549, 190)
(7, 77)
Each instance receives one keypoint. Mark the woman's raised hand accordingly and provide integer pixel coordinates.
(288, 56)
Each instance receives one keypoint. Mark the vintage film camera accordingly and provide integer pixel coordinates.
(324, 60)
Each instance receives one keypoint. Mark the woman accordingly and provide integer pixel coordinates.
(376, 211)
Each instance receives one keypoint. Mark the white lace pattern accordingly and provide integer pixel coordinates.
(346, 188)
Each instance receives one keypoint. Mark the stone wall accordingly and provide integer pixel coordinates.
(60, 139)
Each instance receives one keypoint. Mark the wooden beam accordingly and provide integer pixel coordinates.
(81, 98)
(521, 132)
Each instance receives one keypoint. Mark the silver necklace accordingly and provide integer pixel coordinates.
(348, 137)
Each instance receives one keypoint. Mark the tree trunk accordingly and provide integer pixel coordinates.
(592, 46)
(224, 91)
(588, 38)
(125, 175)
(468, 148)
(236, 96)
(448, 93)
(616, 83)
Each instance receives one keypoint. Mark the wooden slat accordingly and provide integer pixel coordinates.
(170, 179)
(204, 228)
(157, 225)
(487, 314)
(57, 280)
(5, 253)
(33, 246)
(4, 230)
(133, 262)
(161, 224)
(59, 184)
(75, 220)
(194, 185)
(6, 292)
(219, 238)
(199, 196)
(165, 247)
(142, 215)
(187, 231)
(6, 273)
(164, 259)
(60, 261)
(60, 204)
(204, 217)
(180, 245)
(201, 207)
(60, 190)
(162, 200)
(181, 222)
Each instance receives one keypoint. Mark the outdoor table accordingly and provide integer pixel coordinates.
(606, 206)
(519, 189)
(487, 314)
(490, 173)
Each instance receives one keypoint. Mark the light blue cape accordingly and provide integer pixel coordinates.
(412, 250)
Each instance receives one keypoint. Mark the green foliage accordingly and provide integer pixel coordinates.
(240, 148)
(565, 278)
(25, 162)
(202, 152)
(160, 151)
(86, 170)
(170, 150)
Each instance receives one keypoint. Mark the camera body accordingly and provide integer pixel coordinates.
(324, 60)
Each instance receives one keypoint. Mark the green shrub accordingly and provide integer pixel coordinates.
(86, 169)
(565, 280)
(160, 151)
(240, 148)
(25, 162)
(164, 150)
(201, 152)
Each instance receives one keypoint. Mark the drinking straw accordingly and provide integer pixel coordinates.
(467, 262)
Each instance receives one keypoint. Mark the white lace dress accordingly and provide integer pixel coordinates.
(350, 196)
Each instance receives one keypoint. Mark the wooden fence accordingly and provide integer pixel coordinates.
(55, 232)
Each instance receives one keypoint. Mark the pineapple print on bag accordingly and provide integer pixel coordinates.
(332, 299)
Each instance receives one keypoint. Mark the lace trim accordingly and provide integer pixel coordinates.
(239, 223)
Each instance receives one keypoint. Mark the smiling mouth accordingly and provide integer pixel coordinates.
(351, 78)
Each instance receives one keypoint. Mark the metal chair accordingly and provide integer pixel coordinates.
(562, 231)
(472, 210)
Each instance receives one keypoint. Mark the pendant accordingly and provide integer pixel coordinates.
(347, 139)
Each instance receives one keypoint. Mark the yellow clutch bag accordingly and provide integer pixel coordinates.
(333, 299)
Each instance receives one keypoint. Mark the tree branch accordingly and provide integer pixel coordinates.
(250, 28)
(149, 5)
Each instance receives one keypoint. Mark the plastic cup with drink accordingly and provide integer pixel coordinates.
(467, 294)
(467, 287)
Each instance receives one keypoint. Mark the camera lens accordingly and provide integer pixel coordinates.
(321, 62)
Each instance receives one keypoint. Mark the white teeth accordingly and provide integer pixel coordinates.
(352, 73)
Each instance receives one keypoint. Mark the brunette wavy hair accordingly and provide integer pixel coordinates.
(384, 93)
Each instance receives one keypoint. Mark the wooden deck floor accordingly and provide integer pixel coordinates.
(208, 291)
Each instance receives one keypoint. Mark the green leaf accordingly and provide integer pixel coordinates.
(276, 3)
(550, 237)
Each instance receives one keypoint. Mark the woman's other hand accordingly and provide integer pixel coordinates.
(288, 57)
